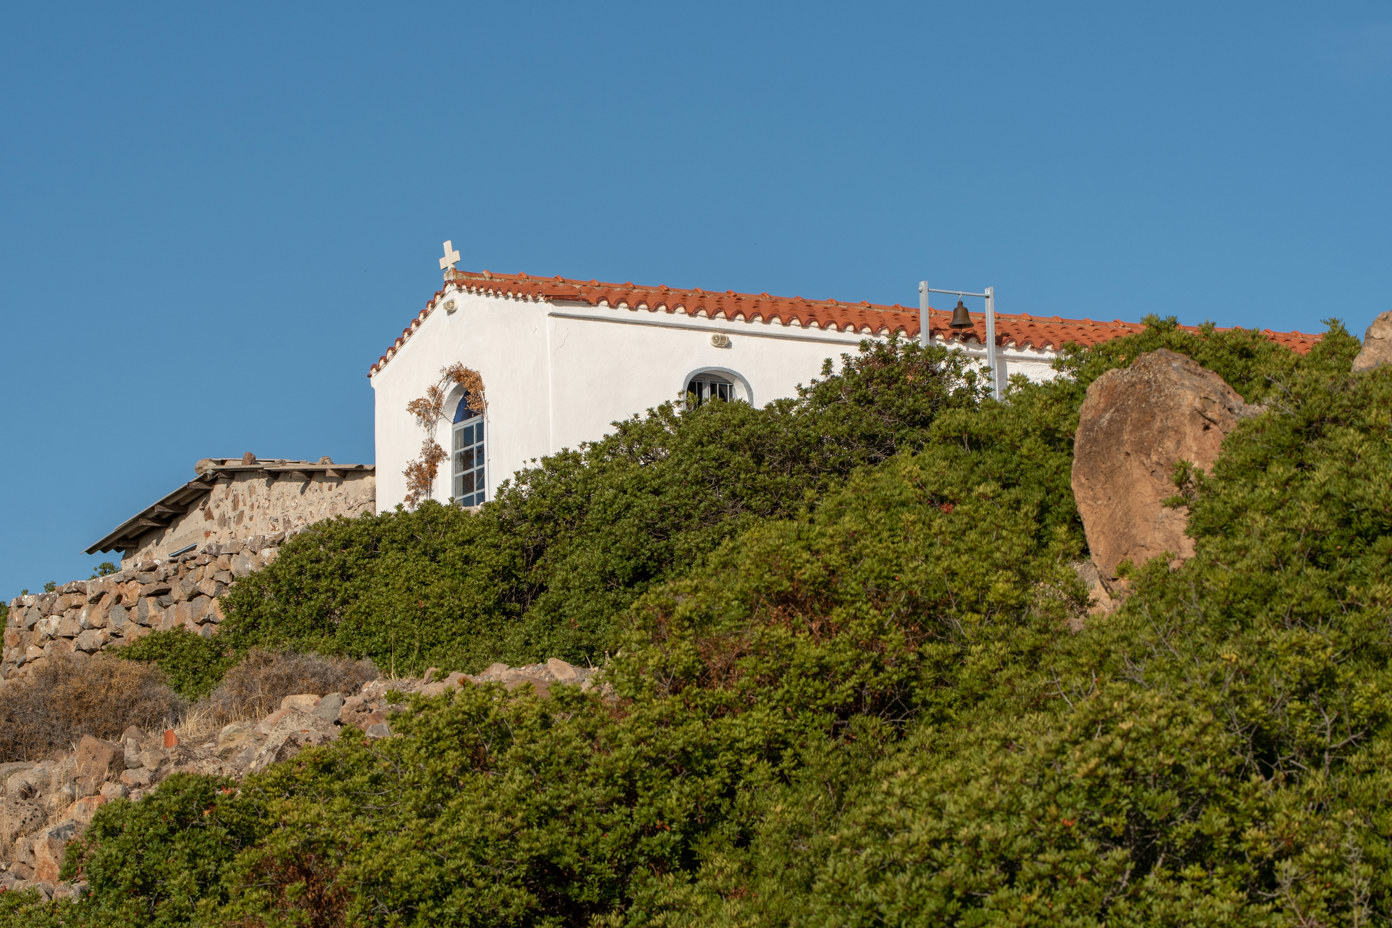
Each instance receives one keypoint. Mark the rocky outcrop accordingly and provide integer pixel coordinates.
(1135, 425)
(46, 804)
(1377, 344)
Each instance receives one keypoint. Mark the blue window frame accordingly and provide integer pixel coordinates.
(467, 456)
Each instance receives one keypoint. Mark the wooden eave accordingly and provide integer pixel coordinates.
(160, 514)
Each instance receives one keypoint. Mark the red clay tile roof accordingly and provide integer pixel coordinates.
(1012, 330)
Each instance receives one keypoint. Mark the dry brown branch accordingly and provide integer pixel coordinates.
(429, 411)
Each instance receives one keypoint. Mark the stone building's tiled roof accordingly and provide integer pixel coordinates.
(1012, 329)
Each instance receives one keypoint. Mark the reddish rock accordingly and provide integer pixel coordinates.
(1134, 426)
(94, 616)
(49, 846)
(515, 681)
(366, 720)
(58, 647)
(98, 762)
(83, 809)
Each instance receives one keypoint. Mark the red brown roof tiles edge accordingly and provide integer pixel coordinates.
(1017, 330)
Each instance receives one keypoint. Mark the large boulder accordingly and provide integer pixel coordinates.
(1134, 426)
(1377, 344)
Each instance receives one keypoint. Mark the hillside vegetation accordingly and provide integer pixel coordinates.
(844, 692)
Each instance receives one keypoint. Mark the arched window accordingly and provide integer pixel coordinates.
(467, 457)
(708, 385)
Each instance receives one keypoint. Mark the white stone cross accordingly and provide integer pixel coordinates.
(451, 256)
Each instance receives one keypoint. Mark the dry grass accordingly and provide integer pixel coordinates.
(255, 687)
(44, 713)
(201, 724)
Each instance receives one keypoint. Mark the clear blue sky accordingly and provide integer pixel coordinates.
(214, 219)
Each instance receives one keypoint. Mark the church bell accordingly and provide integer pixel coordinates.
(960, 318)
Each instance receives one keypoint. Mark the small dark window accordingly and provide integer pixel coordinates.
(705, 387)
(467, 456)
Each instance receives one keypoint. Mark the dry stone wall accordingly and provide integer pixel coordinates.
(86, 616)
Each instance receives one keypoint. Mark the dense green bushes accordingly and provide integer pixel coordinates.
(867, 711)
(546, 569)
(158, 861)
(191, 663)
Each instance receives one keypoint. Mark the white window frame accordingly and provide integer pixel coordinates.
(729, 385)
(468, 435)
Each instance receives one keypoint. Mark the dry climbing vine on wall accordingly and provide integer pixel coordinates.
(429, 411)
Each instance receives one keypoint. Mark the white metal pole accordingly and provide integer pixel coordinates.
(992, 357)
(923, 313)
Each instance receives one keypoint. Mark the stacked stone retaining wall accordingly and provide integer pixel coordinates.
(87, 616)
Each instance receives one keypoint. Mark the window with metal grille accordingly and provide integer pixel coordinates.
(467, 456)
(704, 387)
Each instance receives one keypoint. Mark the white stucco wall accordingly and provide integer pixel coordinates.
(505, 341)
(558, 374)
(1036, 364)
(610, 363)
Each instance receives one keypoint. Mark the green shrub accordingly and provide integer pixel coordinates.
(1251, 363)
(864, 708)
(155, 862)
(30, 910)
(546, 568)
(192, 664)
(51, 708)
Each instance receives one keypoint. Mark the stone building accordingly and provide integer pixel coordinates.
(561, 359)
(237, 498)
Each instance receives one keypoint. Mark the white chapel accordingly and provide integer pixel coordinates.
(562, 359)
